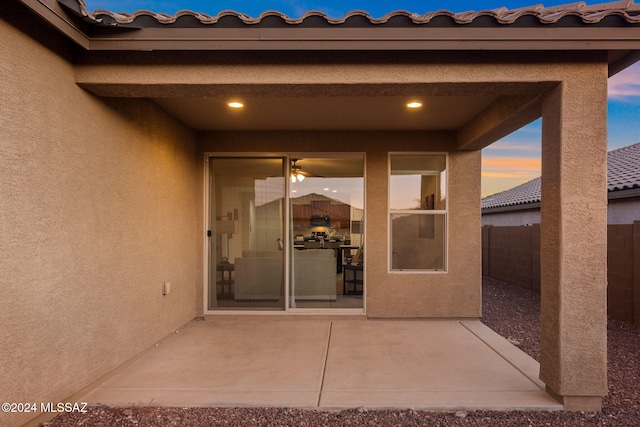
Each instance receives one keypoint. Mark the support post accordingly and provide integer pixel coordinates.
(573, 339)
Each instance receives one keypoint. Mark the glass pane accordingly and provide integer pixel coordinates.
(327, 212)
(247, 221)
(418, 242)
(418, 181)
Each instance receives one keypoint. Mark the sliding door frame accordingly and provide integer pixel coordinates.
(209, 271)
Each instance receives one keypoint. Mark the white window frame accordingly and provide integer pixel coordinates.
(444, 212)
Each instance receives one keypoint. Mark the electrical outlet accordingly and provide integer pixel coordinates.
(166, 288)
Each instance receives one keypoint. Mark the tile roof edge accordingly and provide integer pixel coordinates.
(531, 182)
(547, 15)
(625, 148)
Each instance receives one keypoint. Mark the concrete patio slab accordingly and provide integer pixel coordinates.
(427, 364)
(331, 364)
(226, 364)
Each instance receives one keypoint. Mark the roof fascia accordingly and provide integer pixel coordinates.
(621, 42)
(512, 208)
(624, 194)
(373, 38)
(51, 12)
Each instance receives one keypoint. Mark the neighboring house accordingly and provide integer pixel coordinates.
(521, 205)
(127, 162)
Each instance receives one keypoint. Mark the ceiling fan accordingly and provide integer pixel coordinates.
(298, 175)
(296, 172)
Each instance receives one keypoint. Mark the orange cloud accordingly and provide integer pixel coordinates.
(502, 173)
(511, 163)
(511, 175)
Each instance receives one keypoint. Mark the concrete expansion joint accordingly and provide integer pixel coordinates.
(324, 362)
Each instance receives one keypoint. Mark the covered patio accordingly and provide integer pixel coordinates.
(109, 125)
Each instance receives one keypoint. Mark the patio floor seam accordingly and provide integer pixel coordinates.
(501, 355)
(324, 363)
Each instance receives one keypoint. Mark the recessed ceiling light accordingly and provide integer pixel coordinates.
(414, 104)
(235, 104)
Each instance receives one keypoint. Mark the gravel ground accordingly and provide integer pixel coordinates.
(510, 311)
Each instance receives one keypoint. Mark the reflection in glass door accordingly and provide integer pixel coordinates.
(327, 225)
(246, 237)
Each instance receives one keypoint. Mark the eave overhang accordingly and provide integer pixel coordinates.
(432, 39)
(607, 33)
(612, 27)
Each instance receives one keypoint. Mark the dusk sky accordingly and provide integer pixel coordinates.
(509, 162)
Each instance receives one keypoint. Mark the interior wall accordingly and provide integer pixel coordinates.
(456, 293)
(98, 209)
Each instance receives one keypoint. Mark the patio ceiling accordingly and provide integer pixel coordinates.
(331, 113)
(198, 97)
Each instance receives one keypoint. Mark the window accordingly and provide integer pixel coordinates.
(418, 212)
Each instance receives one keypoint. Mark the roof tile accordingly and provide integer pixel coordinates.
(594, 14)
(624, 168)
(529, 192)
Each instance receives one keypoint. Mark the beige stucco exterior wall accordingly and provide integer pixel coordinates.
(573, 240)
(456, 293)
(99, 208)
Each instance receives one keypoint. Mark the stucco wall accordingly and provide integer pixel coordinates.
(512, 218)
(573, 247)
(619, 211)
(456, 293)
(99, 207)
(623, 211)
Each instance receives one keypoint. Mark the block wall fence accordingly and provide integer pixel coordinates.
(512, 255)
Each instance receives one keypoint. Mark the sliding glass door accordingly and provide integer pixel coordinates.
(246, 237)
(327, 220)
(286, 233)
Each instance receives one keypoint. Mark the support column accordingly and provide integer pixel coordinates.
(573, 339)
